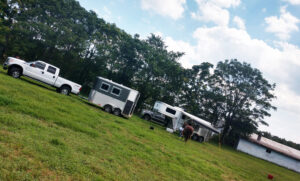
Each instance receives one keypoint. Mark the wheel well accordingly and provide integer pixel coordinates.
(200, 139)
(195, 136)
(147, 114)
(16, 66)
(114, 108)
(108, 105)
(66, 85)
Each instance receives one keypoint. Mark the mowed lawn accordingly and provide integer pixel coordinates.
(48, 136)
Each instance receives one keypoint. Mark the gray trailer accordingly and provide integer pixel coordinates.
(113, 97)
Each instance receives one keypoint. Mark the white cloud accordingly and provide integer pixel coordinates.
(293, 2)
(279, 65)
(221, 3)
(214, 11)
(170, 8)
(211, 13)
(283, 26)
(190, 57)
(158, 33)
(239, 22)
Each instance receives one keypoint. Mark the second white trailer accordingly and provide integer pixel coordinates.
(203, 129)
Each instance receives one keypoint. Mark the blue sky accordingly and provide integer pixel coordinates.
(264, 33)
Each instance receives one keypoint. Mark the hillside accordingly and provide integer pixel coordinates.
(48, 136)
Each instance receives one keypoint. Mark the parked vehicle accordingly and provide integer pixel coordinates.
(42, 72)
(113, 97)
(174, 117)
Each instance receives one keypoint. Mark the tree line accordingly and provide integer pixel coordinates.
(84, 46)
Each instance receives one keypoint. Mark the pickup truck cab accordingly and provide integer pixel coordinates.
(41, 71)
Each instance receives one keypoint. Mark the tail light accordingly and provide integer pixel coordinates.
(80, 89)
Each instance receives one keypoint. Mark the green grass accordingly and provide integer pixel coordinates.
(48, 136)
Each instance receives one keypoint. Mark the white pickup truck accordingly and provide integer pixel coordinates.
(42, 72)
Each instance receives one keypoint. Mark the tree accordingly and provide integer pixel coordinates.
(194, 89)
(244, 97)
(160, 75)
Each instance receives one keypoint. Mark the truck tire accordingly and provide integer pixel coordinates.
(117, 112)
(147, 117)
(65, 90)
(107, 108)
(15, 72)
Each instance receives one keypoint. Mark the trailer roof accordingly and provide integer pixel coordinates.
(202, 122)
(273, 145)
(120, 85)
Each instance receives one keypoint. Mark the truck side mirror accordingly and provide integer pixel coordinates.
(32, 65)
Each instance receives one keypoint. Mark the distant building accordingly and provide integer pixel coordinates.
(271, 151)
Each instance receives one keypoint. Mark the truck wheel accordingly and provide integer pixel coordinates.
(200, 139)
(107, 108)
(117, 112)
(14, 72)
(65, 90)
(147, 117)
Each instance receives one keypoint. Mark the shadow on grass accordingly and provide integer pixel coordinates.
(40, 84)
(91, 104)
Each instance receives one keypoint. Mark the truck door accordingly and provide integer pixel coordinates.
(35, 70)
(158, 116)
(50, 75)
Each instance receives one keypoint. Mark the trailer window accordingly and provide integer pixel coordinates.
(40, 65)
(171, 111)
(116, 91)
(51, 70)
(104, 86)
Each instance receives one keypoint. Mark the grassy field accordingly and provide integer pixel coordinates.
(48, 136)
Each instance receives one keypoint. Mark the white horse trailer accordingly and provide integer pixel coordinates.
(114, 97)
(203, 130)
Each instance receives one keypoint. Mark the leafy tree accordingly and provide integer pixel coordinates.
(244, 95)
(160, 75)
(194, 89)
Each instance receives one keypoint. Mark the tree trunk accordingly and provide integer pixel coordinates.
(225, 131)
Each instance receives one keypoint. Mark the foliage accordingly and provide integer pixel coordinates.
(235, 94)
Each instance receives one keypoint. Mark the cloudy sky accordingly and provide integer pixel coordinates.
(264, 33)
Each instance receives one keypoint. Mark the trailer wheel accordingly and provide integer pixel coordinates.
(14, 72)
(200, 139)
(117, 112)
(147, 117)
(107, 108)
(195, 137)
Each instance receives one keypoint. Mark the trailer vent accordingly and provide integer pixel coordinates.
(128, 107)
